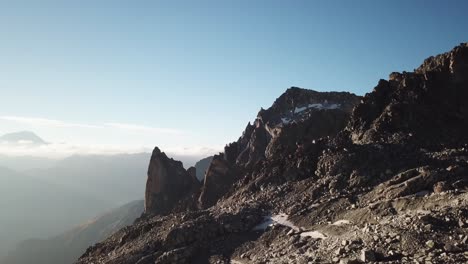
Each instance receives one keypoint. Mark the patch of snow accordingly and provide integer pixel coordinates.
(341, 222)
(319, 106)
(281, 219)
(423, 212)
(333, 106)
(313, 234)
(300, 109)
(421, 193)
(267, 221)
(285, 120)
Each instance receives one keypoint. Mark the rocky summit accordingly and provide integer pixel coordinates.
(321, 178)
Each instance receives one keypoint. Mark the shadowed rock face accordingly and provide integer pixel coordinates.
(168, 182)
(192, 171)
(219, 179)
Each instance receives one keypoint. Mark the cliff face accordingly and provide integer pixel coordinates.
(168, 183)
(387, 185)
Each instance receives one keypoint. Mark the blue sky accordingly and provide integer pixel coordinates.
(189, 75)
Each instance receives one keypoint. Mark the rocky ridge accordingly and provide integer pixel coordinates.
(389, 185)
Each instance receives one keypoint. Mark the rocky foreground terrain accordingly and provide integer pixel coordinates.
(321, 178)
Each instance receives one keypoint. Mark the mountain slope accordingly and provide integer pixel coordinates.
(389, 186)
(40, 203)
(126, 171)
(35, 208)
(67, 247)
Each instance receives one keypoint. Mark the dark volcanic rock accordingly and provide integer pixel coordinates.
(168, 182)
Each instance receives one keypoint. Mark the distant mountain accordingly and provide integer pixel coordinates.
(22, 137)
(44, 202)
(68, 246)
(116, 179)
(35, 208)
(202, 166)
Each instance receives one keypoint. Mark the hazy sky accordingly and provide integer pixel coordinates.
(189, 75)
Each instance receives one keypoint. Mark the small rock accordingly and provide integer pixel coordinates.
(340, 251)
(367, 255)
(430, 244)
(349, 261)
(451, 248)
(461, 223)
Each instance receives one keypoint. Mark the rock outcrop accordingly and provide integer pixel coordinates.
(168, 183)
(389, 186)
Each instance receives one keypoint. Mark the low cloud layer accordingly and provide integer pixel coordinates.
(133, 127)
(45, 122)
(61, 150)
(107, 138)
